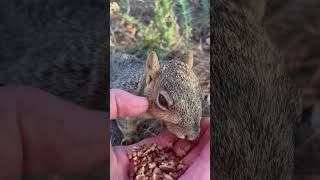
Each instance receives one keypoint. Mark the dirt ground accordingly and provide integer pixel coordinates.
(142, 10)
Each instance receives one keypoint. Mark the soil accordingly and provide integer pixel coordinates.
(142, 10)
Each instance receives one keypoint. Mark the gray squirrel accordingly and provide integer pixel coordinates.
(52, 49)
(60, 47)
(255, 106)
(173, 91)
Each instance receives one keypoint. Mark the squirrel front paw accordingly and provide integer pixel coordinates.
(127, 140)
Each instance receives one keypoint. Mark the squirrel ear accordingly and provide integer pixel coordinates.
(152, 67)
(189, 59)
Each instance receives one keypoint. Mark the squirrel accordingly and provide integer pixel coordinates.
(172, 89)
(60, 47)
(56, 51)
(255, 106)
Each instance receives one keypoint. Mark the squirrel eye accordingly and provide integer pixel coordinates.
(162, 101)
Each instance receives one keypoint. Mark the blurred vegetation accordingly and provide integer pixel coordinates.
(168, 29)
(206, 14)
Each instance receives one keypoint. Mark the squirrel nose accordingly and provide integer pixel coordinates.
(190, 138)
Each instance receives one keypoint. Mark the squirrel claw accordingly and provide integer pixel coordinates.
(128, 140)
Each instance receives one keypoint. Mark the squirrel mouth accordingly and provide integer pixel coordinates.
(187, 137)
(181, 135)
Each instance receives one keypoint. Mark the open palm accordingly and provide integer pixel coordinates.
(198, 159)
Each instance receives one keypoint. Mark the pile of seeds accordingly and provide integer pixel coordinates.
(152, 162)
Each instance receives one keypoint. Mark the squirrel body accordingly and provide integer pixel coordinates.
(172, 88)
(59, 47)
(52, 49)
(127, 73)
(255, 105)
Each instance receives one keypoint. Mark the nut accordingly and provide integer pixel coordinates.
(140, 177)
(168, 165)
(154, 162)
(167, 177)
(181, 152)
(152, 165)
(154, 176)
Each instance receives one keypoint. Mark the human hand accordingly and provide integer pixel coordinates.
(41, 134)
(123, 104)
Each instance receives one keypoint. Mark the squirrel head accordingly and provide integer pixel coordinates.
(174, 95)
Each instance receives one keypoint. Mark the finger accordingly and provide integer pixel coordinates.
(123, 104)
(205, 124)
(200, 168)
(119, 162)
(167, 138)
(183, 144)
(196, 145)
(113, 160)
(194, 153)
(56, 136)
(10, 138)
(122, 152)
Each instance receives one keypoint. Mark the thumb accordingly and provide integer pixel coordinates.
(200, 169)
(124, 104)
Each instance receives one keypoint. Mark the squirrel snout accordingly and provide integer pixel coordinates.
(184, 132)
(189, 137)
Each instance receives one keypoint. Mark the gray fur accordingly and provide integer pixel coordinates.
(59, 47)
(187, 97)
(127, 73)
(255, 106)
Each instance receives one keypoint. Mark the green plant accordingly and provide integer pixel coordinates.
(165, 21)
(205, 4)
(186, 21)
(123, 6)
(161, 33)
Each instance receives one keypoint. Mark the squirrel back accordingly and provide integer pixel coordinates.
(126, 72)
(255, 106)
